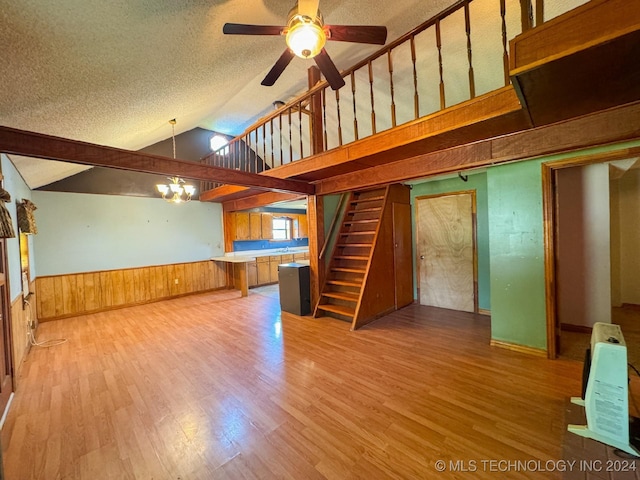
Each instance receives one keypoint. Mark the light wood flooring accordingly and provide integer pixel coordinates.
(216, 386)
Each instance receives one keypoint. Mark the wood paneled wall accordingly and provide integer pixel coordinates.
(19, 328)
(61, 296)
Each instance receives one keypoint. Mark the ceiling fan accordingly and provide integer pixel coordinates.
(306, 35)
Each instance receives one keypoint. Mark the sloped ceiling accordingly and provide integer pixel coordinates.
(115, 72)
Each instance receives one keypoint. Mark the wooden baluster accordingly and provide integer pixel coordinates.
(339, 119)
(391, 92)
(255, 150)
(439, 45)
(539, 13)
(505, 51)
(273, 160)
(355, 110)
(373, 108)
(264, 146)
(416, 97)
(300, 129)
(290, 138)
(324, 118)
(280, 139)
(247, 154)
(526, 15)
(467, 24)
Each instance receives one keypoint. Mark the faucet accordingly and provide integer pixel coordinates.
(286, 249)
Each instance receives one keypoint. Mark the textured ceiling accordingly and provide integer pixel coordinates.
(115, 72)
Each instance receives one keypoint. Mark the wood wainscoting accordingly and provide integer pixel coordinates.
(61, 296)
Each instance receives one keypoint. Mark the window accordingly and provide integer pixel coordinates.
(281, 228)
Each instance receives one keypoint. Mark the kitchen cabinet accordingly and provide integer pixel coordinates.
(274, 261)
(242, 226)
(252, 274)
(303, 226)
(263, 270)
(255, 226)
(267, 226)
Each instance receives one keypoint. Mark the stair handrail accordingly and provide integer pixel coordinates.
(334, 221)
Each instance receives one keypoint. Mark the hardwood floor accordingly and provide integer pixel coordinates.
(217, 386)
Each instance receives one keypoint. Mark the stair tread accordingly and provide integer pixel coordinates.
(349, 297)
(351, 257)
(368, 199)
(349, 270)
(355, 244)
(339, 309)
(368, 220)
(345, 283)
(363, 232)
(365, 210)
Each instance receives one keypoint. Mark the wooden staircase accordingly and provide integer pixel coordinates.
(350, 262)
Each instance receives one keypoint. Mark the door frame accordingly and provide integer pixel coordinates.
(550, 218)
(474, 242)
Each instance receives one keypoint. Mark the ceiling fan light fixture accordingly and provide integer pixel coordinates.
(305, 37)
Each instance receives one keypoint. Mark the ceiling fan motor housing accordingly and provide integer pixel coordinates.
(305, 36)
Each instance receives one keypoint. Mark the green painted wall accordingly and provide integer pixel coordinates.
(477, 182)
(516, 239)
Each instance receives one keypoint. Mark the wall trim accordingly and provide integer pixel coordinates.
(514, 347)
(568, 327)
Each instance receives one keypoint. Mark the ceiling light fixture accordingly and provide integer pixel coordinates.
(305, 36)
(178, 191)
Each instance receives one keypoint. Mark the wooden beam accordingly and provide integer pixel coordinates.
(31, 144)
(259, 200)
(611, 126)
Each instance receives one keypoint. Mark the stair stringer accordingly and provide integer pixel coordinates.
(378, 294)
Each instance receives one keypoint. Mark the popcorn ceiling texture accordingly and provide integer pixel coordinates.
(114, 72)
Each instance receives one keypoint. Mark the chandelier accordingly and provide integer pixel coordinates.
(178, 191)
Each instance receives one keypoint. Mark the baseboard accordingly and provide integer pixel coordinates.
(538, 352)
(484, 311)
(568, 327)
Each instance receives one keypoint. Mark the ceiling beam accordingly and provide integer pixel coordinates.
(31, 144)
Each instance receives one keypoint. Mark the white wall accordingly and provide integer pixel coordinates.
(18, 189)
(629, 214)
(82, 232)
(584, 257)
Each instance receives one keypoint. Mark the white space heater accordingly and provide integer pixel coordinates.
(606, 397)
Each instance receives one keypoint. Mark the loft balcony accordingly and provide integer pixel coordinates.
(473, 72)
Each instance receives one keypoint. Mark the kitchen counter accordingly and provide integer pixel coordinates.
(239, 260)
(253, 254)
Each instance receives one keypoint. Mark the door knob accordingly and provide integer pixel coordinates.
(421, 257)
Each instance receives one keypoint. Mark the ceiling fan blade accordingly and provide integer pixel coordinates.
(358, 34)
(278, 68)
(241, 29)
(308, 8)
(329, 70)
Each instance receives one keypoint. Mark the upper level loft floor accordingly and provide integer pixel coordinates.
(405, 113)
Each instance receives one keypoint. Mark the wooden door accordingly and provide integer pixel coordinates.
(446, 251)
(6, 363)
(402, 258)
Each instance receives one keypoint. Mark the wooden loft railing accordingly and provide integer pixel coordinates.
(416, 75)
